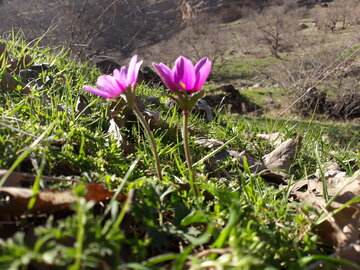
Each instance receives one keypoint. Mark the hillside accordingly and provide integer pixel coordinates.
(79, 189)
(261, 46)
(281, 54)
(248, 160)
(113, 28)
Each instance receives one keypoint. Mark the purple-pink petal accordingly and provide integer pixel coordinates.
(131, 74)
(166, 75)
(109, 84)
(97, 91)
(120, 77)
(184, 76)
(137, 69)
(184, 73)
(113, 86)
(202, 71)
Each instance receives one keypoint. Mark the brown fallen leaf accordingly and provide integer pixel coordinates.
(275, 138)
(207, 142)
(82, 105)
(14, 201)
(282, 157)
(238, 158)
(8, 82)
(203, 109)
(350, 253)
(154, 120)
(342, 228)
(15, 178)
(114, 129)
(349, 187)
(332, 170)
(254, 165)
(333, 175)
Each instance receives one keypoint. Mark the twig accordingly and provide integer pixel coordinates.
(315, 84)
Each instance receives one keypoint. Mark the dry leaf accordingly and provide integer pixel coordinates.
(342, 228)
(254, 165)
(282, 157)
(114, 129)
(237, 158)
(350, 253)
(349, 187)
(81, 105)
(14, 201)
(208, 142)
(203, 109)
(275, 138)
(154, 120)
(15, 178)
(332, 170)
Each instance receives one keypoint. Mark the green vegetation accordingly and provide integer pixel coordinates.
(242, 68)
(240, 223)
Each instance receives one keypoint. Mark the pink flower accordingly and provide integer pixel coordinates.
(112, 86)
(184, 76)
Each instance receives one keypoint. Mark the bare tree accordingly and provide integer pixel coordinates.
(195, 41)
(275, 27)
(340, 14)
(320, 78)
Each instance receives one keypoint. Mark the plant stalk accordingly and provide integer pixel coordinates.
(185, 135)
(149, 135)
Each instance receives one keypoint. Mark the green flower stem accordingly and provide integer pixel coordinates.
(185, 135)
(131, 100)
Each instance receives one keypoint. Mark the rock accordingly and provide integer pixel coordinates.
(232, 100)
(303, 26)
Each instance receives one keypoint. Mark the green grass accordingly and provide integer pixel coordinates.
(243, 68)
(262, 95)
(247, 223)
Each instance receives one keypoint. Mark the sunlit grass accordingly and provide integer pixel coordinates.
(250, 222)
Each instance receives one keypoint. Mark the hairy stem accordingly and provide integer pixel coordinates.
(185, 135)
(150, 137)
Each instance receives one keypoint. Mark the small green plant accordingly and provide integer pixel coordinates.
(123, 82)
(185, 81)
(241, 222)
